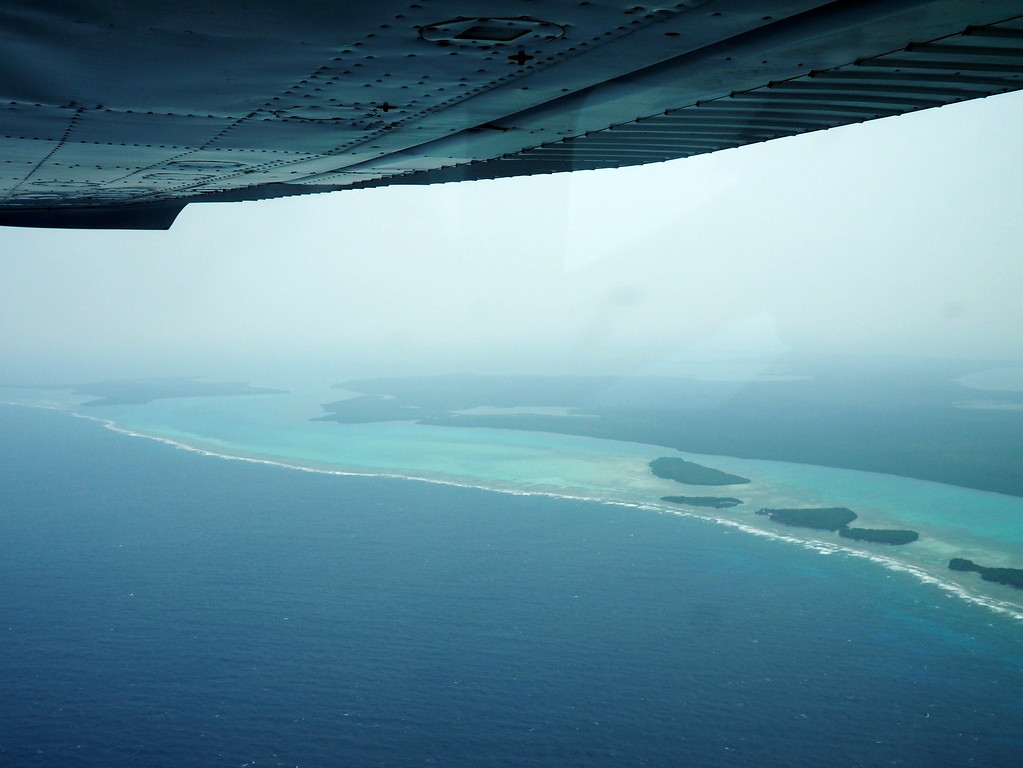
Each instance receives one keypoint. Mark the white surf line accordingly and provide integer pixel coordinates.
(961, 591)
(829, 548)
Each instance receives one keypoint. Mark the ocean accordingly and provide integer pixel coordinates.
(166, 607)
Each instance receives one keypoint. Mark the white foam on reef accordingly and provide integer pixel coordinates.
(825, 548)
(923, 575)
(892, 564)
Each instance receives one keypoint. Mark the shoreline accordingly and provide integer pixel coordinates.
(922, 573)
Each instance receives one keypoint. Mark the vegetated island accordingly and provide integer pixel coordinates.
(838, 519)
(794, 419)
(879, 535)
(822, 518)
(690, 473)
(717, 502)
(1011, 576)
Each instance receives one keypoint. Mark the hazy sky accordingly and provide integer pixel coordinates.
(901, 235)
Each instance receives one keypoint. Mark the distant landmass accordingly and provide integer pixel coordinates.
(1010, 576)
(717, 502)
(690, 473)
(142, 391)
(876, 414)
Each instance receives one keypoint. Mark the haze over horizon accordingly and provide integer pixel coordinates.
(894, 237)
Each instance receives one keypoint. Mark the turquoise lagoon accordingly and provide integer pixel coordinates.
(953, 522)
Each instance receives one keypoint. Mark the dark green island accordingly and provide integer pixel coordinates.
(690, 473)
(824, 518)
(838, 519)
(1010, 576)
(717, 502)
(879, 535)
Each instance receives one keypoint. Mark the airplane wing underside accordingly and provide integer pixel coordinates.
(117, 114)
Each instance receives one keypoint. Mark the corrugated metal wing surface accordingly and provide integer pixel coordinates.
(978, 62)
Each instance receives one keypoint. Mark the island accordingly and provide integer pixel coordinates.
(716, 502)
(144, 391)
(690, 473)
(838, 519)
(795, 417)
(822, 518)
(879, 535)
(1013, 577)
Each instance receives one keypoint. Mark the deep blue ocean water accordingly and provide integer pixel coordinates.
(159, 607)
